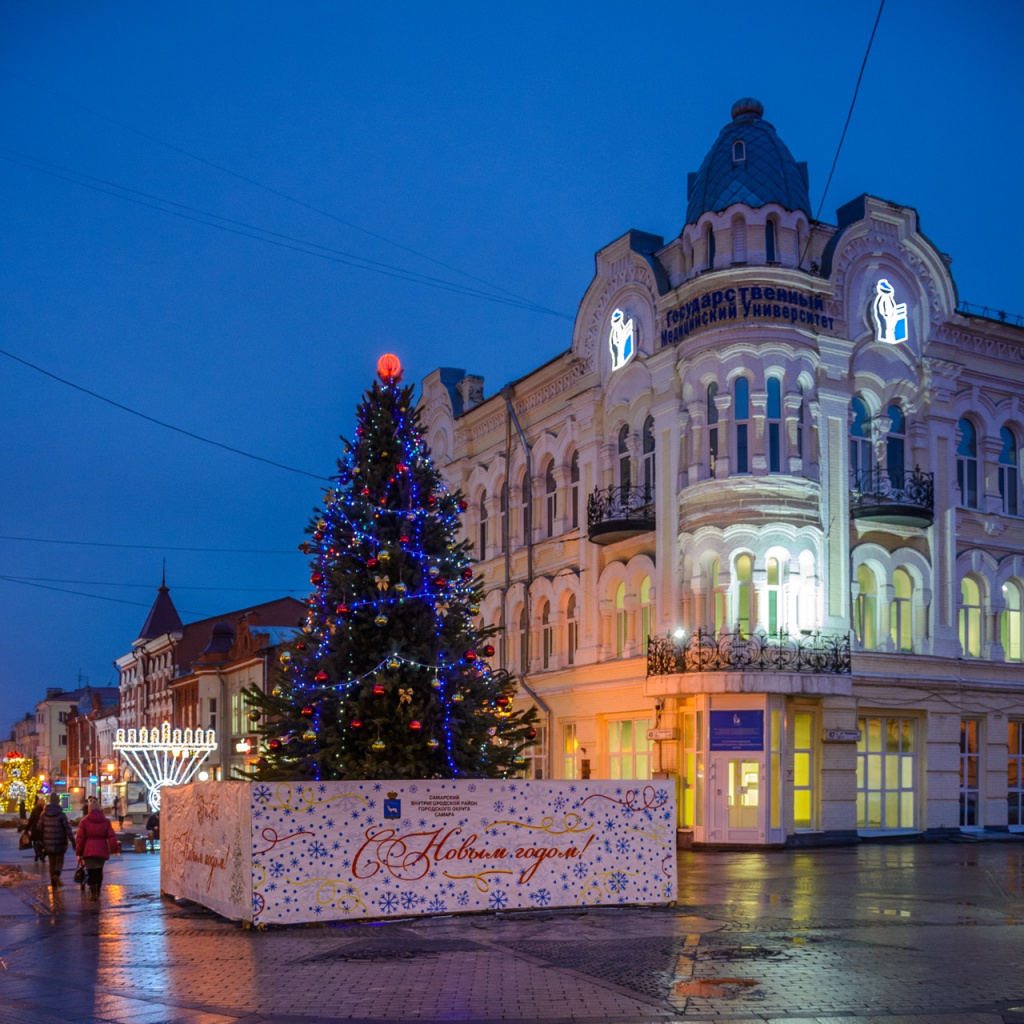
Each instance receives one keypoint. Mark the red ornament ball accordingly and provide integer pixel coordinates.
(378, 689)
(389, 368)
(371, 563)
(341, 609)
(467, 574)
(321, 676)
(300, 646)
(531, 733)
(309, 711)
(501, 701)
(316, 579)
(463, 506)
(415, 725)
(356, 723)
(403, 539)
(470, 655)
(489, 651)
(274, 744)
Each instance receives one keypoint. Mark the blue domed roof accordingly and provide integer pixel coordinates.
(759, 171)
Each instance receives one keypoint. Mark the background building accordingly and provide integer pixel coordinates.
(776, 447)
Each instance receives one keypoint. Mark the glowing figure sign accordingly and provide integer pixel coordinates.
(889, 316)
(621, 339)
(165, 757)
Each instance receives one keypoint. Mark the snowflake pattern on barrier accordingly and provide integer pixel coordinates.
(329, 851)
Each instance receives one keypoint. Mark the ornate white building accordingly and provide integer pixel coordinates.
(776, 449)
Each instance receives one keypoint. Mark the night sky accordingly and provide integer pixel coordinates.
(220, 215)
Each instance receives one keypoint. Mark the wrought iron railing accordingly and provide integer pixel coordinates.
(881, 487)
(992, 314)
(707, 651)
(620, 504)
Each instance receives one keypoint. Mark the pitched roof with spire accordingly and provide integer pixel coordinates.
(163, 616)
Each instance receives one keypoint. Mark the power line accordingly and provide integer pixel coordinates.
(160, 423)
(149, 586)
(252, 231)
(152, 547)
(95, 597)
(275, 192)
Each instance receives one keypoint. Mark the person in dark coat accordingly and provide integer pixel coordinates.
(32, 828)
(95, 842)
(56, 833)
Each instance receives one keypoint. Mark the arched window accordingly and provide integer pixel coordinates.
(648, 459)
(967, 465)
(546, 635)
(896, 446)
(503, 517)
(774, 422)
(739, 152)
(744, 594)
(574, 489)
(901, 611)
(862, 457)
(644, 614)
(572, 630)
(769, 241)
(524, 642)
(550, 499)
(709, 247)
(741, 407)
(776, 606)
(483, 526)
(739, 240)
(970, 618)
(524, 498)
(1009, 473)
(620, 620)
(712, 427)
(625, 475)
(716, 599)
(1011, 625)
(866, 609)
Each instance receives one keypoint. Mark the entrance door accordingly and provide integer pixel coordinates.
(738, 798)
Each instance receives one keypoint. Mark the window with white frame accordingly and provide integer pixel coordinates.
(774, 425)
(629, 749)
(572, 630)
(969, 772)
(896, 447)
(967, 464)
(970, 618)
(620, 620)
(536, 756)
(800, 422)
(803, 770)
(717, 597)
(550, 499)
(901, 611)
(712, 428)
(648, 463)
(741, 418)
(546, 635)
(644, 614)
(524, 641)
(574, 489)
(745, 594)
(482, 539)
(739, 240)
(866, 609)
(570, 751)
(1009, 474)
(1015, 773)
(886, 772)
(503, 517)
(1011, 627)
(776, 602)
(862, 454)
(524, 498)
(625, 473)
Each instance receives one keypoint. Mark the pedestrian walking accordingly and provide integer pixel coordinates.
(32, 828)
(56, 833)
(119, 811)
(95, 842)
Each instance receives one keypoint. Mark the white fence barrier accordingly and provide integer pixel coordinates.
(289, 853)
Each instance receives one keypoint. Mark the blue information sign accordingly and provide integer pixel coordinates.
(737, 730)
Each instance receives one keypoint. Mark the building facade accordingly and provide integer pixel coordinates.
(760, 529)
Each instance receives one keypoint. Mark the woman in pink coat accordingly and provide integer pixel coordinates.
(95, 841)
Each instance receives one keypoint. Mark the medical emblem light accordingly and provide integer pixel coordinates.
(165, 756)
(621, 339)
(889, 316)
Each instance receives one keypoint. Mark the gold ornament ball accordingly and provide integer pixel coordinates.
(381, 620)
(377, 746)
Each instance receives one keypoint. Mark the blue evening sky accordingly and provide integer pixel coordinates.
(411, 157)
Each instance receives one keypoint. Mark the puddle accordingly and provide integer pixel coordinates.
(714, 988)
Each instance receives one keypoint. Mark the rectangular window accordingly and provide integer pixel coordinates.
(803, 771)
(570, 752)
(1008, 490)
(629, 750)
(885, 773)
(236, 714)
(572, 640)
(213, 713)
(620, 632)
(1015, 774)
(967, 482)
(645, 627)
(774, 448)
(742, 463)
(692, 782)
(536, 755)
(969, 765)
(547, 643)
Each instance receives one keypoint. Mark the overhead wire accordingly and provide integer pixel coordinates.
(152, 547)
(271, 190)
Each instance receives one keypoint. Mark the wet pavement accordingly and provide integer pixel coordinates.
(880, 933)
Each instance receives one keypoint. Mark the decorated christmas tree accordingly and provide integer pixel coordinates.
(389, 678)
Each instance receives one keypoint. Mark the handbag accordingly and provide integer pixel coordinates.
(25, 840)
(80, 873)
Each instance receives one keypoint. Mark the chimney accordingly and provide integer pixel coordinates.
(471, 391)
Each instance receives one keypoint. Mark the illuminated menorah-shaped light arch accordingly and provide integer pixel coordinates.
(165, 756)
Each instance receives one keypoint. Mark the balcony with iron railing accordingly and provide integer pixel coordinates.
(895, 498)
(617, 513)
(707, 651)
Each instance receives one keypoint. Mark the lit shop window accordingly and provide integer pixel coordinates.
(969, 772)
(629, 751)
(1015, 774)
(570, 752)
(692, 782)
(803, 770)
(885, 772)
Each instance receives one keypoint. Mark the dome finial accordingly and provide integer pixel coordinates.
(747, 107)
